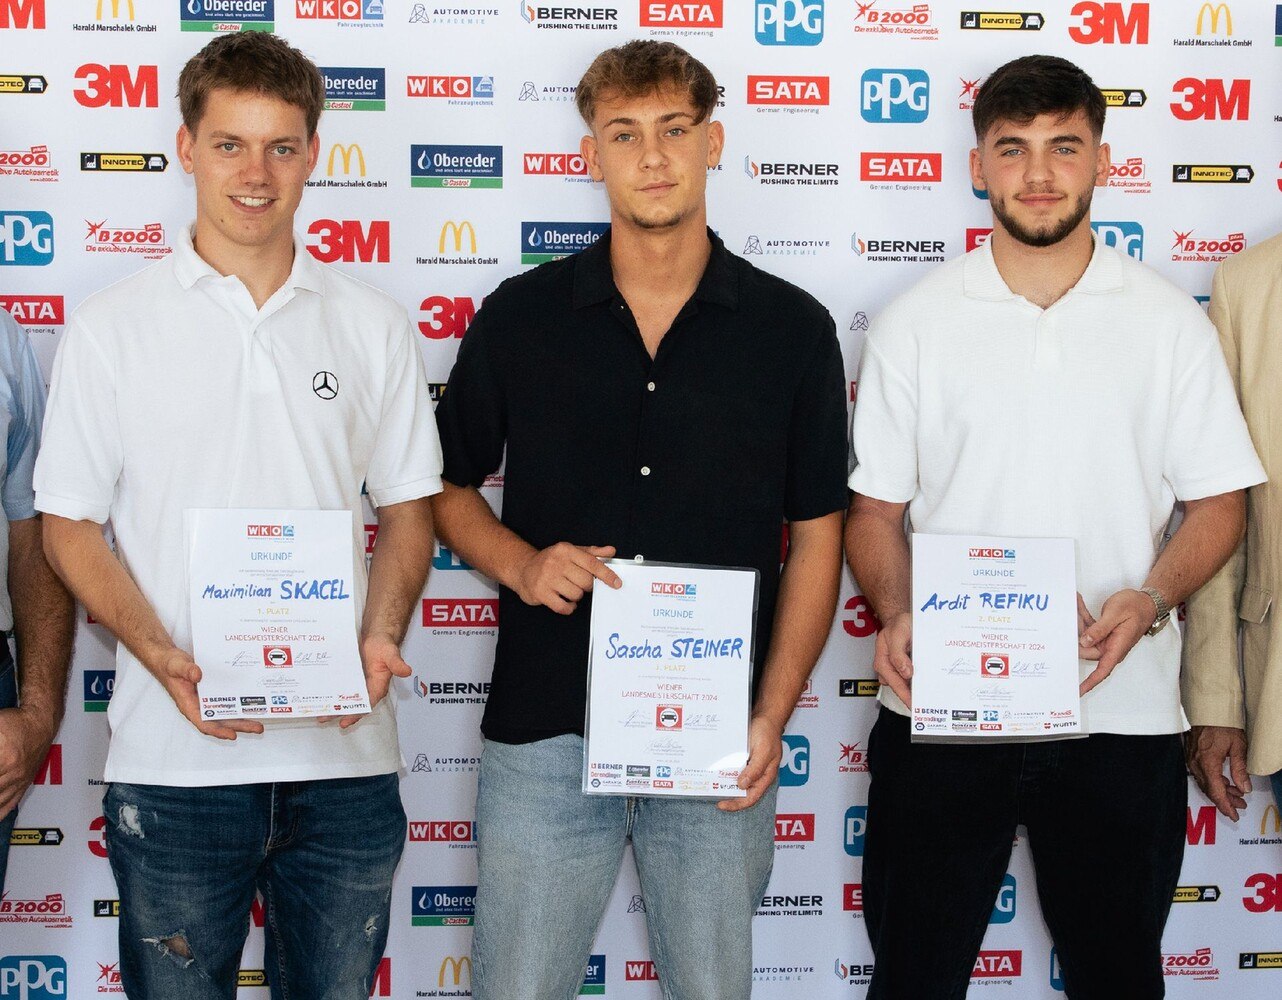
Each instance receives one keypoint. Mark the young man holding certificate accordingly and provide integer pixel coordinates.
(240, 378)
(1045, 385)
(659, 400)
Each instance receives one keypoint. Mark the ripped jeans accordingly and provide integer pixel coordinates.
(187, 862)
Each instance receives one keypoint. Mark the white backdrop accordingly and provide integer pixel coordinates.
(845, 171)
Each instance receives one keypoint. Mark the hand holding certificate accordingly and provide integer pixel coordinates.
(995, 653)
(669, 678)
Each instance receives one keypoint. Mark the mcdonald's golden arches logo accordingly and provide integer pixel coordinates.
(1277, 821)
(346, 153)
(456, 966)
(1213, 12)
(456, 231)
(115, 9)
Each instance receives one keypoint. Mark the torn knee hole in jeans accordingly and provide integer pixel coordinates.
(129, 822)
(175, 946)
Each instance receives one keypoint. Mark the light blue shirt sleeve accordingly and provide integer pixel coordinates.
(22, 401)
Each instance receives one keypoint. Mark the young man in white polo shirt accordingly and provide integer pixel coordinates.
(1042, 385)
(241, 373)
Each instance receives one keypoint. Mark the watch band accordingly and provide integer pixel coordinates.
(1163, 609)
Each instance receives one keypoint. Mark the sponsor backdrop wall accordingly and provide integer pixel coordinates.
(448, 162)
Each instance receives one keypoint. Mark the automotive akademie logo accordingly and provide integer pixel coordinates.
(355, 88)
(570, 16)
(36, 312)
(1211, 99)
(1212, 173)
(790, 93)
(129, 163)
(346, 13)
(460, 613)
(470, 13)
(442, 905)
(1130, 176)
(790, 173)
(1109, 23)
(1192, 249)
(345, 167)
(882, 249)
(1212, 28)
(800, 904)
(885, 171)
(895, 17)
(442, 317)
(433, 166)
(117, 16)
(228, 15)
(789, 22)
(26, 238)
(464, 91)
(570, 165)
(33, 977)
(533, 92)
(545, 241)
(33, 163)
(783, 246)
(1198, 964)
(899, 96)
(1001, 20)
(48, 911)
(1125, 237)
(663, 17)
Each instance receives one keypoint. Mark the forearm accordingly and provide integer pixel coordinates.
(803, 614)
(398, 568)
(878, 554)
(1211, 530)
(468, 526)
(44, 624)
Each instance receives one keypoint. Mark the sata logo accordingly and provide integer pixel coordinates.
(794, 828)
(976, 238)
(1109, 23)
(640, 972)
(682, 15)
(453, 612)
(998, 964)
(921, 168)
(116, 86)
(852, 897)
(22, 13)
(794, 766)
(33, 977)
(895, 95)
(457, 87)
(1211, 100)
(555, 164)
(790, 22)
(1004, 908)
(788, 91)
(349, 241)
(26, 238)
(1125, 237)
(442, 905)
(35, 310)
(444, 832)
(50, 772)
(856, 825)
(442, 318)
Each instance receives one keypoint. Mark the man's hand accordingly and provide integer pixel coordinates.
(1084, 621)
(179, 675)
(381, 658)
(892, 657)
(558, 576)
(765, 750)
(24, 742)
(1125, 617)
(1206, 748)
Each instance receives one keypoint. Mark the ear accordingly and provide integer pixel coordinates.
(976, 172)
(588, 149)
(1103, 158)
(716, 143)
(184, 142)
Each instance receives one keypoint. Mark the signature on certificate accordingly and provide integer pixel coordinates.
(664, 744)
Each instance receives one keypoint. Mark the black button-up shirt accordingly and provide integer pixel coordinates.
(694, 456)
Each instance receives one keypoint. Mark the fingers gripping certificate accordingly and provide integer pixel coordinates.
(669, 681)
(273, 617)
(994, 647)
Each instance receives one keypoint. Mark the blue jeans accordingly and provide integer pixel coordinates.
(8, 699)
(187, 862)
(548, 857)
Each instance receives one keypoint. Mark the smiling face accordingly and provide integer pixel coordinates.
(1040, 175)
(653, 156)
(250, 156)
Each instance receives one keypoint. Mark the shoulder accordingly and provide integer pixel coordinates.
(354, 297)
(1151, 296)
(939, 292)
(549, 286)
(760, 289)
(129, 300)
(1260, 262)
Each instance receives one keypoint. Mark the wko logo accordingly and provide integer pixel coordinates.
(456, 89)
(460, 613)
(1109, 23)
(349, 241)
(434, 166)
(1211, 99)
(901, 96)
(656, 14)
(555, 164)
(22, 14)
(355, 88)
(35, 310)
(228, 15)
(640, 972)
(339, 10)
(33, 977)
(26, 238)
(442, 905)
(444, 318)
(794, 765)
(116, 86)
(1125, 237)
(788, 91)
(789, 22)
(444, 832)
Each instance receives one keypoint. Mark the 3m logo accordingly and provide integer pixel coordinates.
(1211, 99)
(790, 22)
(116, 86)
(640, 972)
(444, 318)
(98, 845)
(345, 154)
(1209, 14)
(998, 964)
(856, 826)
(1267, 893)
(977, 238)
(22, 13)
(1110, 23)
(794, 766)
(788, 91)
(922, 168)
(444, 832)
(26, 238)
(453, 612)
(852, 897)
(382, 984)
(861, 622)
(50, 772)
(455, 231)
(454, 968)
(1200, 829)
(1125, 237)
(895, 95)
(350, 242)
(794, 828)
(33, 977)
(681, 15)
(555, 164)
(35, 310)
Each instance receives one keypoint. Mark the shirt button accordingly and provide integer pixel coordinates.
(650, 386)
(645, 470)
(638, 558)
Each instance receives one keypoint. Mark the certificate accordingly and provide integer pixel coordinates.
(995, 654)
(669, 681)
(273, 613)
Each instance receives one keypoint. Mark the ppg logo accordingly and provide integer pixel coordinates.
(33, 977)
(794, 768)
(895, 95)
(26, 238)
(856, 826)
(790, 22)
(1004, 909)
(1126, 237)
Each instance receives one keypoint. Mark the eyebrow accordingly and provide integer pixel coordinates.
(663, 119)
(280, 140)
(1058, 140)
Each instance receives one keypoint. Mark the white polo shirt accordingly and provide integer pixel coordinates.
(989, 415)
(172, 390)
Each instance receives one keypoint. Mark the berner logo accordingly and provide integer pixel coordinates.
(812, 174)
(566, 16)
(881, 250)
(546, 241)
(228, 15)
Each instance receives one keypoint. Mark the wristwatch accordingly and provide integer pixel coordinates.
(1163, 610)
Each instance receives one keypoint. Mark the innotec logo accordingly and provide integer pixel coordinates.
(794, 93)
(130, 163)
(570, 17)
(1212, 173)
(355, 88)
(688, 17)
(1004, 20)
(434, 166)
(228, 15)
(793, 174)
(348, 13)
(886, 17)
(545, 241)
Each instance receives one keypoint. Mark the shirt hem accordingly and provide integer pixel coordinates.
(416, 490)
(72, 510)
(250, 776)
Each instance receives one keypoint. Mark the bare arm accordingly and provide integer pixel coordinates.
(44, 623)
(803, 616)
(79, 555)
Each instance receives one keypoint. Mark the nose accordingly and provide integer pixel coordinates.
(652, 152)
(1036, 166)
(254, 168)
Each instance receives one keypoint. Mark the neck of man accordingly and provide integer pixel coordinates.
(1042, 275)
(653, 267)
(262, 270)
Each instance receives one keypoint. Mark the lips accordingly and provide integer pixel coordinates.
(249, 202)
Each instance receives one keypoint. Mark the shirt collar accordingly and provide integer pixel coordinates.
(982, 280)
(594, 279)
(190, 267)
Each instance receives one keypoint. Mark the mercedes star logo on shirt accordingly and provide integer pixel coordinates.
(325, 385)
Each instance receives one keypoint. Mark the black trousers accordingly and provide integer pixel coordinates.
(1106, 826)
